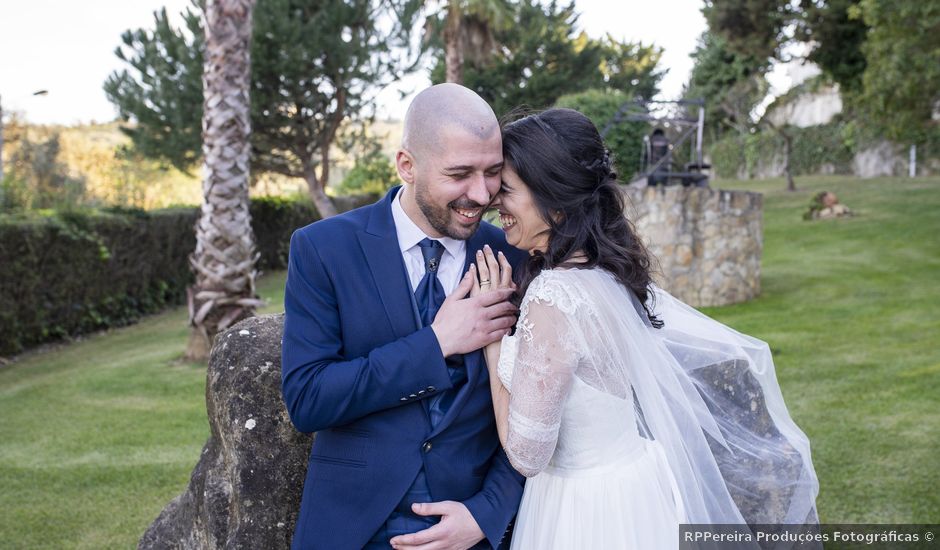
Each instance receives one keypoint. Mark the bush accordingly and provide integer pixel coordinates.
(273, 219)
(624, 139)
(372, 173)
(826, 148)
(68, 273)
(38, 179)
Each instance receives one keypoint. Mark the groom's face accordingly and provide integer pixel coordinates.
(455, 182)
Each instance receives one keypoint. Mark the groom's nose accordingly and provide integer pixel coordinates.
(479, 192)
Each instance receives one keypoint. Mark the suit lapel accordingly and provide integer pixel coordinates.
(379, 244)
(473, 361)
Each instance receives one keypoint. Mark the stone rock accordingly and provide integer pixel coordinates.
(741, 399)
(834, 211)
(826, 205)
(245, 490)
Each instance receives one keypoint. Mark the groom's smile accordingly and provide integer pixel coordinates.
(455, 183)
(470, 214)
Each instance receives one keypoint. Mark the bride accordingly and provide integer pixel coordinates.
(629, 411)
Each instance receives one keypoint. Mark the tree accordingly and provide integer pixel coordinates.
(900, 93)
(754, 32)
(316, 64)
(836, 30)
(225, 256)
(754, 28)
(624, 139)
(37, 177)
(785, 132)
(542, 56)
(468, 25)
(731, 84)
(884, 57)
(164, 94)
(630, 67)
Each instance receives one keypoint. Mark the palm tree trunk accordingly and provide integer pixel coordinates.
(453, 56)
(225, 256)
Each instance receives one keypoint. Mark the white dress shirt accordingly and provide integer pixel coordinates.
(449, 272)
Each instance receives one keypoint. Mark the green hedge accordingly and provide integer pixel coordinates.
(70, 273)
(813, 147)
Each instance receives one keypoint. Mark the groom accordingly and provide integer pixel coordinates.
(387, 371)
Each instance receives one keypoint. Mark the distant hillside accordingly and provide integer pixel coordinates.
(99, 153)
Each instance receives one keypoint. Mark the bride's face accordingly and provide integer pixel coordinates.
(520, 217)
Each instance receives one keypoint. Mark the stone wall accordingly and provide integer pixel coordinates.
(706, 242)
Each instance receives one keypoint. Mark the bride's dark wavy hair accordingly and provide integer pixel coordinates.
(561, 157)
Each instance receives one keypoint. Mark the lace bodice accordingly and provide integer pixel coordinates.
(568, 408)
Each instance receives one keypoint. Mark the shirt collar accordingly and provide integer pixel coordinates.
(409, 234)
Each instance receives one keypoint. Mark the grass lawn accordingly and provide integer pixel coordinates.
(98, 435)
(851, 310)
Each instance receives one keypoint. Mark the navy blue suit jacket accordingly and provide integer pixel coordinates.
(355, 365)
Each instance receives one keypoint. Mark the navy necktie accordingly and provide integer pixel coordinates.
(429, 296)
(430, 293)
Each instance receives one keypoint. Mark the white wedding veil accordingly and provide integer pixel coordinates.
(709, 395)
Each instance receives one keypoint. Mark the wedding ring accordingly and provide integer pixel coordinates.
(486, 282)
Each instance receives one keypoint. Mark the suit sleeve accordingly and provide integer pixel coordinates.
(321, 388)
(496, 504)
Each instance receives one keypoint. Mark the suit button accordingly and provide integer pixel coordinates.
(421, 392)
(426, 447)
(431, 388)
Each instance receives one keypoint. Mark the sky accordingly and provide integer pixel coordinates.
(67, 48)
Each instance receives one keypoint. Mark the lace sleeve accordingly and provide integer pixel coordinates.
(545, 363)
(507, 361)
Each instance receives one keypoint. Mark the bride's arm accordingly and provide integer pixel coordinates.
(542, 375)
(499, 392)
(499, 273)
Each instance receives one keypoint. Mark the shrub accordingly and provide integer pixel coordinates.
(826, 148)
(623, 138)
(68, 273)
(372, 173)
(72, 273)
(38, 178)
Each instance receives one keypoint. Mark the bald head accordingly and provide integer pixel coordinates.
(444, 107)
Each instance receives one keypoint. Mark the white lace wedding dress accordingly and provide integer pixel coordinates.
(595, 482)
(626, 430)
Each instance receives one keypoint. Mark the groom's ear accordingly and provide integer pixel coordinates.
(405, 164)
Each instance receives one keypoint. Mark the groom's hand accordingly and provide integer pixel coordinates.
(465, 325)
(457, 529)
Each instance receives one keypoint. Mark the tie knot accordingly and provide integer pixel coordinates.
(432, 252)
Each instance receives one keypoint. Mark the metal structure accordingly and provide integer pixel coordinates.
(665, 169)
